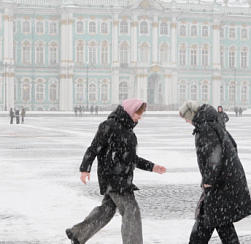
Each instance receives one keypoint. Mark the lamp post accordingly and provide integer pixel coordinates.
(5, 86)
(87, 84)
(234, 86)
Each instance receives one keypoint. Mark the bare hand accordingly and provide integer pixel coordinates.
(159, 169)
(206, 185)
(84, 175)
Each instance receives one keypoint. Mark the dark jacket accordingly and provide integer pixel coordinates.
(115, 147)
(223, 118)
(228, 200)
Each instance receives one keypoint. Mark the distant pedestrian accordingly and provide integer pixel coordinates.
(22, 114)
(240, 111)
(225, 198)
(83, 109)
(115, 146)
(76, 110)
(80, 111)
(96, 109)
(236, 110)
(223, 118)
(17, 115)
(12, 115)
(91, 109)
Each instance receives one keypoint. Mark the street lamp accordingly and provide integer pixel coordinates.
(5, 85)
(87, 83)
(234, 86)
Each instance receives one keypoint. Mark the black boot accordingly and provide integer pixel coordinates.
(74, 240)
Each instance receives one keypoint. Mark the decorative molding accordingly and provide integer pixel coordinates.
(155, 68)
(63, 22)
(40, 18)
(115, 23)
(173, 25)
(168, 76)
(144, 17)
(125, 18)
(155, 24)
(93, 17)
(216, 27)
(6, 17)
(134, 24)
(70, 21)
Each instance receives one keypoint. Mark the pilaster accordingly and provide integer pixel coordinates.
(115, 62)
(155, 26)
(134, 40)
(216, 45)
(173, 42)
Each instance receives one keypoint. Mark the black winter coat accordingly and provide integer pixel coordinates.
(115, 147)
(223, 118)
(228, 200)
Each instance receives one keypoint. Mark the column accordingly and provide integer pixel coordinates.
(173, 42)
(134, 41)
(216, 82)
(115, 86)
(167, 88)
(11, 102)
(115, 62)
(174, 96)
(216, 45)
(155, 40)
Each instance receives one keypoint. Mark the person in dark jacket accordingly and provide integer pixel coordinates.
(115, 147)
(91, 109)
(223, 118)
(11, 116)
(225, 198)
(240, 111)
(17, 115)
(22, 114)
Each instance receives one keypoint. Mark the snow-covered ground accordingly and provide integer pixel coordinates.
(42, 195)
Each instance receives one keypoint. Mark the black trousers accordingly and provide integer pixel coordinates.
(201, 234)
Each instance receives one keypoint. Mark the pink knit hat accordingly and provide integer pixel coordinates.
(132, 105)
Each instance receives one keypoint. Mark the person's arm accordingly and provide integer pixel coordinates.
(226, 118)
(144, 164)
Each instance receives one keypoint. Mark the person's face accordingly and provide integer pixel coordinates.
(220, 109)
(188, 121)
(136, 117)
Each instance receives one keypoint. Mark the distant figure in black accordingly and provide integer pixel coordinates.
(17, 116)
(80, 111)
(23, 115)
(92, 109)
(76, 110)
(236, 110)
(11, 115)
(240, 111)
(223, 118)
(96, 109)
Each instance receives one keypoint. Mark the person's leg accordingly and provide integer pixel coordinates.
(95, 221)
(228, 234)
(131, 218)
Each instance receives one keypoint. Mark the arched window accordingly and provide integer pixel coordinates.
(143, 28)
(163, 54)
(53, 53)
(232, 33)
(26, 92)
(204, 56)
(92, 92)
(104, 28)
(39, 92)
(124, 27)
(53, 109)
(26, 53)
(92, 54)
(92, 27)
(193, 92)
(79, 92)
(163, 28)
(79, 52)
(123, 55)
(244, 93)
(183, 31)
(193, 56)
(26, 27)
(80, 27)
(40, 28)
(182, 92)
(182, 55)
(53, 28)
(205, 31)
(231, 94)
(104, 54)
(231, 56)
(53, 92)
(104, 92)
(144, 54)
(244, 34)
(194, 31)
(123, 91)
(39, 109)
(244, 57)
(204, 93)
(39, 53)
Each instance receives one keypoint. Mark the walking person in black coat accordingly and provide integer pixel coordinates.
(17, 115)
(225, 198)
(11, 116)
(240, 111)
(115, 147)
(23, 115)
(223, 118)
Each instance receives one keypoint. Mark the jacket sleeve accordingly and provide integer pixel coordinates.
(99, 143)
(226, 118)
(144, 164)
(209, 155)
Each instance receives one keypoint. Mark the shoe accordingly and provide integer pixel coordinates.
(70, 236)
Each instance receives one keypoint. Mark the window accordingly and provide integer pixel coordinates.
(244, 34)
(182, 58)
(205, 93)
(244, 58)
(92, 27)
(222, 58)
(104, 54)
(104, 28)
(53, 55)
(163, 28)
(222, 93)
(92, 54)
(14, 26)
(40, 28)
(79, 92)
(15, 52)
(26, 92)
(205, 31)
(26, 49)
(80, 27)
(232, 93)
(183, 31)
(104, 92)
(205, 57)
(232, 33)
(80, 54)
(123, 27)
(143, 28)
(182, 92)
(92, 92)
(53, 28)
(26, 27)
(193, 57)
(163, 54)
(194, 31)
(231, 58)
(39, 54)
(53, 92)
(144, 54)
(124, 55)
(40, 92)
(222, 35)
(193, 92)
(244, 94)
(123, 91)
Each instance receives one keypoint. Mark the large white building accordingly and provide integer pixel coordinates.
(56, 54)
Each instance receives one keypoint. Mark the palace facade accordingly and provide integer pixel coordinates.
(57, 54)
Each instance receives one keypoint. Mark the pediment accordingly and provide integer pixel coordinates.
(146, 4)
